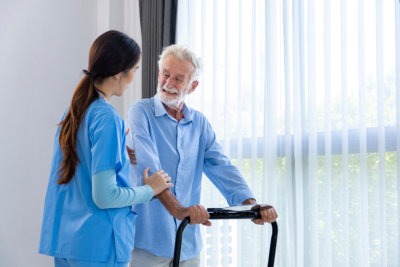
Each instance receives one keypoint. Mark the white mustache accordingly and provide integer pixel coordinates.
(171, 90)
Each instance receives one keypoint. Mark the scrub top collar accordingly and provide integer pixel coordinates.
(101, 95)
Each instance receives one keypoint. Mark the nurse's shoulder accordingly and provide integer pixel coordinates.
(101, 114)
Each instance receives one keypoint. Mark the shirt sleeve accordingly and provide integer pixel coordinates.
(106, 135)
(140, 138)
(107, 194)
(218, 168)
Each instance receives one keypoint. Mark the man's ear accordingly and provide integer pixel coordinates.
(193, 86)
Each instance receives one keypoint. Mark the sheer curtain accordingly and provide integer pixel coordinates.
(124, 16)
(131, 26)
(304, 96)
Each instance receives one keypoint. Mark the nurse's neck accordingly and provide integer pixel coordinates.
(107, 87)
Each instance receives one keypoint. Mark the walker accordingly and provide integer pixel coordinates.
(237, 212)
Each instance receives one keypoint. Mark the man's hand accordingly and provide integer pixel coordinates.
(268, 213)
(197, 213)
(131, 154)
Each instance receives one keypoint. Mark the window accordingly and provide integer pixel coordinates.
(304, 97)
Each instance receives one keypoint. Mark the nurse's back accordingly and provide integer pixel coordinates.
(72, 221)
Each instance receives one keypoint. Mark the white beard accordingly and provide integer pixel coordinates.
(175, 100)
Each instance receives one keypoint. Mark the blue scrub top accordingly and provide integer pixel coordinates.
(73, 226)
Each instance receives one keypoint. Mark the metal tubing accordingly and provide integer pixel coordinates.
(178, 241)
(272, 247)
(216, 215)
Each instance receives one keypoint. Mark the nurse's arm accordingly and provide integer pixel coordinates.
(107, 194)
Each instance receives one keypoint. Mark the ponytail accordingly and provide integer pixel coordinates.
(85, 93)
(111, 53)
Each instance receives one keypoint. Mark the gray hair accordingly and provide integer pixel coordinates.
(183, 53)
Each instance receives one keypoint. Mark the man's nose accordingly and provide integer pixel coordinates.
(169, 83)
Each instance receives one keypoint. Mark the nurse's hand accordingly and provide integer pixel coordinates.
(158, 181)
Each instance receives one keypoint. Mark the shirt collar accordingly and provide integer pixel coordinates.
(159, 110)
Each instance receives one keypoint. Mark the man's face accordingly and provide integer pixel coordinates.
(174, 80)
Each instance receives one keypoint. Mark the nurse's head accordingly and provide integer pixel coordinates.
(113, 59)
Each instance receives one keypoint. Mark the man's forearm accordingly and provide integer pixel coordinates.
(171, 203)
(197, 213)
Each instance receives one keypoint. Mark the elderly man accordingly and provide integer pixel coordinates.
(168, 135)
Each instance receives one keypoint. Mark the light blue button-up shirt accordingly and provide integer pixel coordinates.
(184, 150)
(73, 226)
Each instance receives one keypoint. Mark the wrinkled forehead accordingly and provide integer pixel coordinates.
(176, 66)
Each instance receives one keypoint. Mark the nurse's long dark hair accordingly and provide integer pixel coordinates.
(111, 53)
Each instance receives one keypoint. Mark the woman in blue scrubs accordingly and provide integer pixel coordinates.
(87, 218)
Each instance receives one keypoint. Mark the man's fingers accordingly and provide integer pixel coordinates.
(193, 218)
(131, 154)
(264, 215)
(127, 131)
(207, 223)
(146, 173)
(272, 215)
(258, 221)
(268, 214)
(198, 214)
(206, 215)
(131, 151)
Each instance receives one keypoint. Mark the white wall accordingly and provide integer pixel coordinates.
(44, 46)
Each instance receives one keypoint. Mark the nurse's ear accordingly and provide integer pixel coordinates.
(117, 76)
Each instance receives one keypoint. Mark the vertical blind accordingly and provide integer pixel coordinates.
(304, 96)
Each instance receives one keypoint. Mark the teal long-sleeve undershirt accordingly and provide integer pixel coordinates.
(107, 194)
